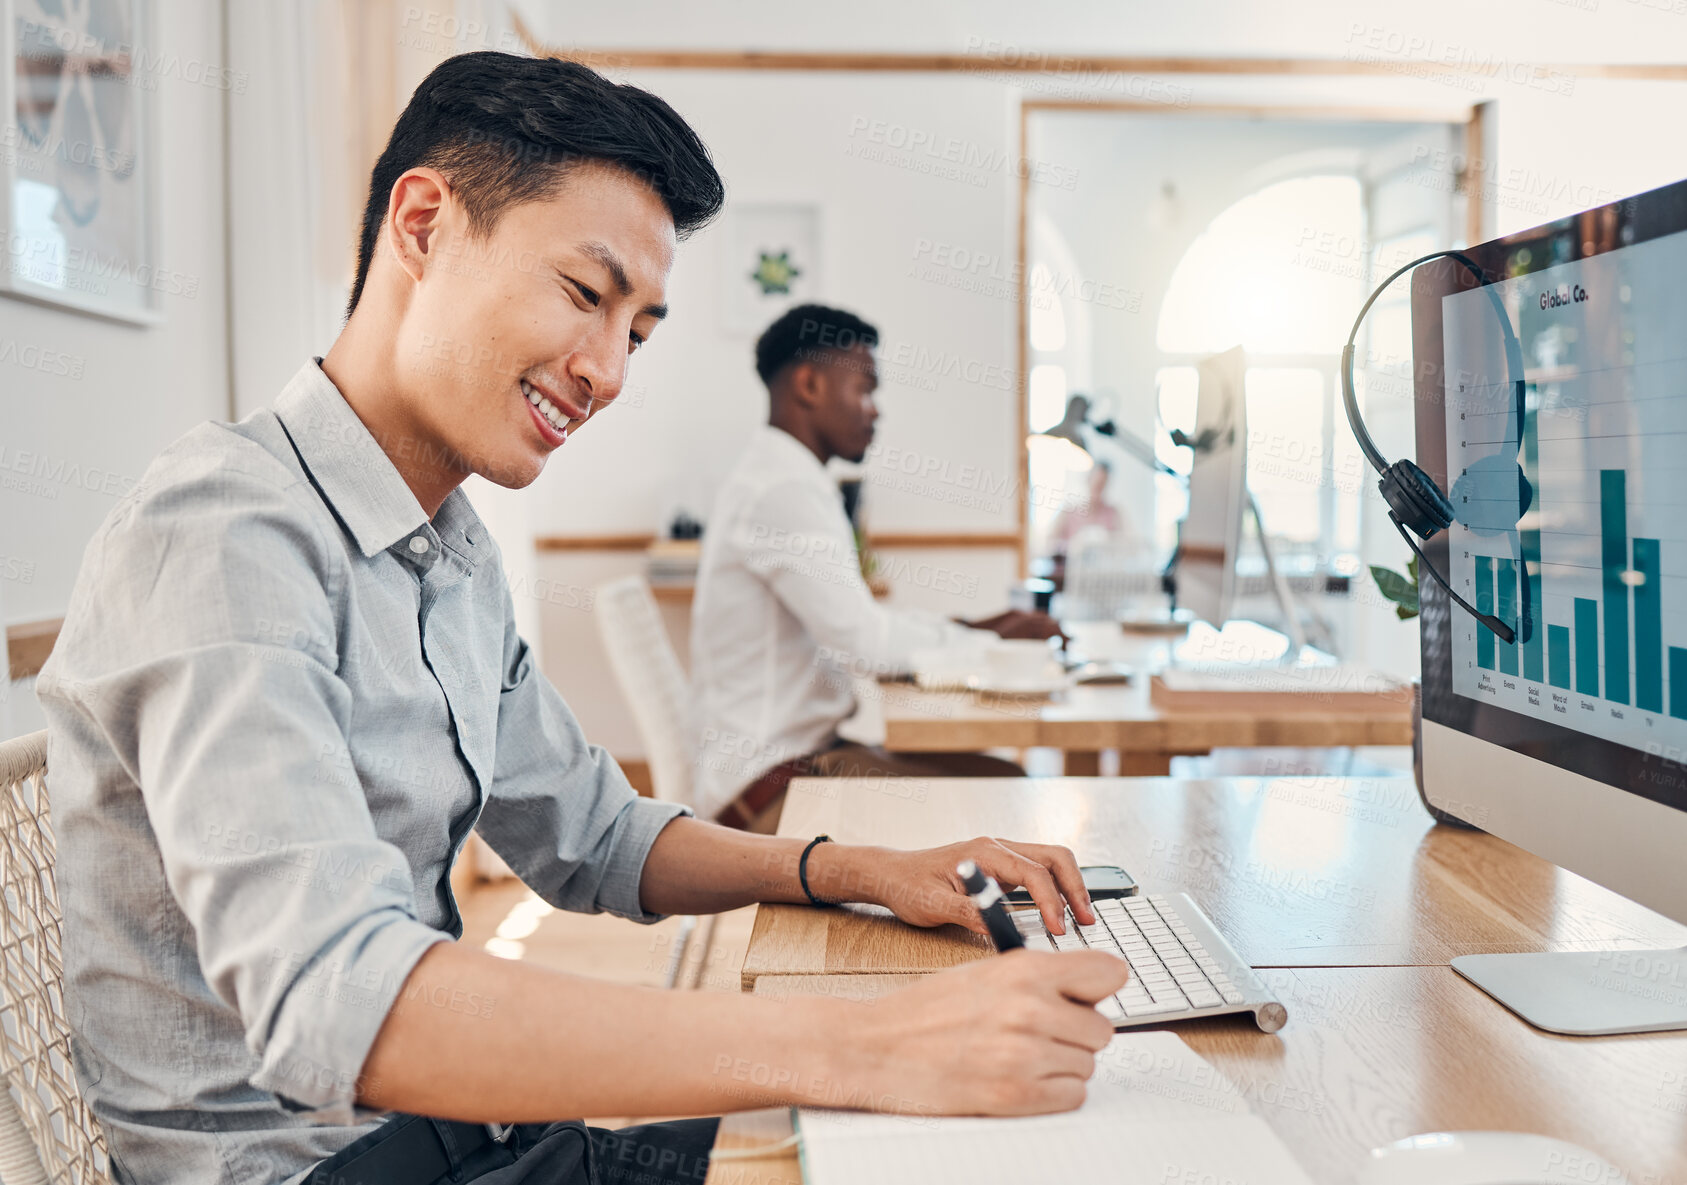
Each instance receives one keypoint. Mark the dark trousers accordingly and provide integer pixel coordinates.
(400, 1152)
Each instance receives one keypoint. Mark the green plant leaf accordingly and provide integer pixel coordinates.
(1403, 591)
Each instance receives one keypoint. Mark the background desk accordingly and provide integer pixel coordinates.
(1085, 720)
(1349, 901)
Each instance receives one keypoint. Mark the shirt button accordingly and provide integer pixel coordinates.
(419, 544)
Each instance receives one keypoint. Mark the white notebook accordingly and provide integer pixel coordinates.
(1156, 1112)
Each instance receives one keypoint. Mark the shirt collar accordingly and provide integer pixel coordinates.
(357, 479)
(780, 444)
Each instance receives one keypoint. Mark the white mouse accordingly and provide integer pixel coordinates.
(1487, 1158)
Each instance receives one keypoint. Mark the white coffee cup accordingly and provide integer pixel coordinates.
(1097, 641)
(1018, 661)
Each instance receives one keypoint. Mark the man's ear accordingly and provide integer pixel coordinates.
(808, 384)
(416, 209)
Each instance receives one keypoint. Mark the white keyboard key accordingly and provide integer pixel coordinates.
(1232, 996)
(1112, 1009)
(1208, 999)
(1154, 1009)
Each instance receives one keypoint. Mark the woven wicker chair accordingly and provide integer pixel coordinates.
(47, 1133)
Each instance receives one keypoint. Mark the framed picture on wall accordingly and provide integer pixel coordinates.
(77, 203)
(772, 262)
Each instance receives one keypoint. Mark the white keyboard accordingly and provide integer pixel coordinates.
(1180, 966)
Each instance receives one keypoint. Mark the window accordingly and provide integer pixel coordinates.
(1278, 273)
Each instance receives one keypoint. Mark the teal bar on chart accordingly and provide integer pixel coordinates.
(1648, 628)
(1558, 656)
(1613, 550)
(1587, 646)
(1484, 604)
(1678, 682)
(1530, 620)
(1505, 575)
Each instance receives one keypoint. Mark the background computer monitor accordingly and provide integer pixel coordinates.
(1571, 742)
(1210, 538)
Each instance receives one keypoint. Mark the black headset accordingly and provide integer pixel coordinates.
(1414, 500)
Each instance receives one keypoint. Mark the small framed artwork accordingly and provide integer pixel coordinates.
(77, 201)
(772, 262)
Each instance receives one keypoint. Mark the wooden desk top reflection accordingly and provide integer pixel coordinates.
(1371, 1055)
(1295, 872)
(1089, 719)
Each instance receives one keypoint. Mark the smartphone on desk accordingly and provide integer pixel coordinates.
(1101, 880)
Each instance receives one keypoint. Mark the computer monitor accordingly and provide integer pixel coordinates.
(1210, 538)
(1571, 741)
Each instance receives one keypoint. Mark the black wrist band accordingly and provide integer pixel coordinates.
(802, 872)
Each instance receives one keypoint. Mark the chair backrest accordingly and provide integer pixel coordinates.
(1104, 579)
(47, 1132)
(652, 681)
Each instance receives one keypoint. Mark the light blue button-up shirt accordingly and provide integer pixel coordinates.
(280, 700)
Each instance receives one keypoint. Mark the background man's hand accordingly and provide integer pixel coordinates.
(1017, 623)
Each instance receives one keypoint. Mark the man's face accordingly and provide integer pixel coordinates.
(846, 412)
(514, 340)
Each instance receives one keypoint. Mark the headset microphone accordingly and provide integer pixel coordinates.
(1414, 500)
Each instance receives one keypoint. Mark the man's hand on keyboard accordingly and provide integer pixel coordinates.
(1014, 1035)
(922, 889)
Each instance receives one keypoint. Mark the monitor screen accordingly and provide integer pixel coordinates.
(1211, 534)
(1571, 511)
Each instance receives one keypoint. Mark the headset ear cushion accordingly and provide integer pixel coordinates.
(1413, 495)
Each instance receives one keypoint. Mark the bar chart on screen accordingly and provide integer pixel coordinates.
(1572, 519)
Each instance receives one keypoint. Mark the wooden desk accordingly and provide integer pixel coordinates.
(1085, 720)
(1371, 1055)
(1305, 876)
(1295, 872)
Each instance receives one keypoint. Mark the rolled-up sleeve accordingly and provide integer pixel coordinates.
(561, 813)
(229, 716)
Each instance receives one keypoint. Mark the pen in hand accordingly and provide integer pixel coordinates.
(986, 894)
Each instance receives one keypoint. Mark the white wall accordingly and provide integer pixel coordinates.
(71, 445)
(693, 390)
(1545, 31)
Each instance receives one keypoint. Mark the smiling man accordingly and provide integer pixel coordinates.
(289, 683)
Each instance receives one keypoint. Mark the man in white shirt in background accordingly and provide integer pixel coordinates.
(783, 621)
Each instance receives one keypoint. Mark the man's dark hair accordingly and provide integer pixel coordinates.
(807, 332)
(505, 129)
